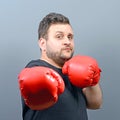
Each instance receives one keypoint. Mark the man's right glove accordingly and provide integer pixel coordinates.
(40, 87)
(83, 71)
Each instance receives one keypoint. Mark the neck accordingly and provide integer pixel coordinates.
(50, 61)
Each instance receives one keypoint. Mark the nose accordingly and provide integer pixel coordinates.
(67, 41)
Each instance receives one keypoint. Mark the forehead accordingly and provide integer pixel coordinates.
(64, 28)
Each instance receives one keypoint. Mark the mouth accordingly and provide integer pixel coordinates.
(68, 49)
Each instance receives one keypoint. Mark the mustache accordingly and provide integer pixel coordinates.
(67, 48)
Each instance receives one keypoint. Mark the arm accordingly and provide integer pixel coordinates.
(84, 72)
(93, 96)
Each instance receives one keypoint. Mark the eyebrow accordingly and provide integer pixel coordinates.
(63, 32)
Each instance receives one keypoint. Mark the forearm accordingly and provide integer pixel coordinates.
(93, 96)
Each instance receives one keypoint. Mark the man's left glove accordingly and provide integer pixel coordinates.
(83, 71)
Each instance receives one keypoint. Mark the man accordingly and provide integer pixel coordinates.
(59, 86)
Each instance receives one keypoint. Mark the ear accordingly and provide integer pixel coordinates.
(42, 44)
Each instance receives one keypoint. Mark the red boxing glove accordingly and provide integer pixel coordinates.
(40, 87)
(83, 71)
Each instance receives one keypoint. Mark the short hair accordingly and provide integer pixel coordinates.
(48, 20)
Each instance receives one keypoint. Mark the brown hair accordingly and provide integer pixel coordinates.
(51, 18)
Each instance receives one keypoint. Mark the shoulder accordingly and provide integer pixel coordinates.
(38, 62)
(33, 63)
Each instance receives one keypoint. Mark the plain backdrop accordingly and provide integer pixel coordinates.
(96, 25)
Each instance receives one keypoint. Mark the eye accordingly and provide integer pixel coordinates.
(70, 37)
(59, 36)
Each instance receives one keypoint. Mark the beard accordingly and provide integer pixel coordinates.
(60, 57)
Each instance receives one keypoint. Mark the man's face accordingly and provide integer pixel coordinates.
(60, 43)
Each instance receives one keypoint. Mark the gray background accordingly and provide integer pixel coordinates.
(96, 25)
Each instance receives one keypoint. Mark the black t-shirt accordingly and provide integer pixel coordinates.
(71, 104)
